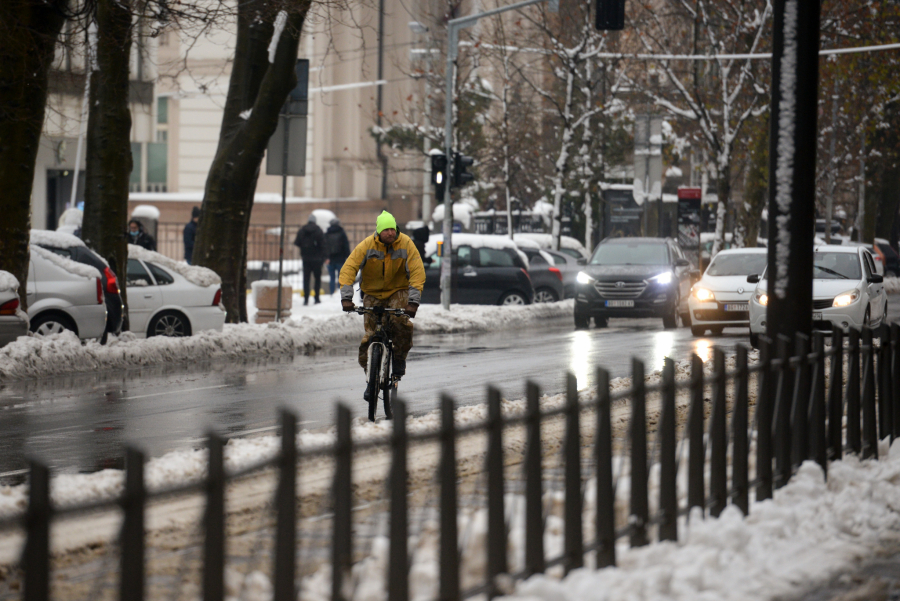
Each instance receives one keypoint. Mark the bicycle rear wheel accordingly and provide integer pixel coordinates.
(374, 381)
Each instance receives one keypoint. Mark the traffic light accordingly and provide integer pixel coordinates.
(610, 15)
(461, 177)
(439, 175)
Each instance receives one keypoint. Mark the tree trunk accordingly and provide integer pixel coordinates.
(256, 84)
(108, 159)
(723, 190)
(28, 32)
(756, 189)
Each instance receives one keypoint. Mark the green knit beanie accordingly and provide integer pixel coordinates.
(385, 221)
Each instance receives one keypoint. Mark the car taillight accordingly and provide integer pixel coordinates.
(217, 298)
(9, 307)
(557, 272)
(112, 285)
(525, 271)
(99, 292)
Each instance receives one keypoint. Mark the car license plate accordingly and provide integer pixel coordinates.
(738, 307)
(817, 317)
(620, 303)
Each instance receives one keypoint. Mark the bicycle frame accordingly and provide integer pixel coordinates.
(380, 341)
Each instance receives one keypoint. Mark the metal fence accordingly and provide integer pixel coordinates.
(804, 391)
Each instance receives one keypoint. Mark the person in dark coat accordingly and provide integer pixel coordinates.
(420, 237)
(136, 235)
(311, 242)
(337, 246)
(190, 232)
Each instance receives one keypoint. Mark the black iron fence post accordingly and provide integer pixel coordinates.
(836, 397)
(398, 569)
(782, 415)
(605, 526)
(718, 439)
(574, 544)
(341, 540)
(885, 413)
(765, 403)
(854, 441)
(534, 510)
(800, 404)
(817, 434)
(640, 506)
(668, 467)
(496, 547)
(131, 579)
(895, 379)
(36, 557)
(870, 424)
(214, 522)
(739, 421)
(449, 578)
(697, 453)
(286, 508)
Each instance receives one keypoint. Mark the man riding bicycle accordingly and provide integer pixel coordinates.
(392, 276)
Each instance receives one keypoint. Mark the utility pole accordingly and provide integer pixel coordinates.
(792, 165)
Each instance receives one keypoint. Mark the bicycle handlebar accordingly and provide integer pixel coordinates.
(376, 310)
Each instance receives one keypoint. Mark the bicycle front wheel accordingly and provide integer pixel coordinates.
(374, 385)
(388, 389)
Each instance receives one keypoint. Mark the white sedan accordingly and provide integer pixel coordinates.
(171, 298)
(847, 292)
(720, 299)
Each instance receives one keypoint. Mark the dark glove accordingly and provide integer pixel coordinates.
(411, 309)
(347, 305)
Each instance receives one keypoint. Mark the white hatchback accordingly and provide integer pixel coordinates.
(171, 298)
(847, 292)
(721, 298)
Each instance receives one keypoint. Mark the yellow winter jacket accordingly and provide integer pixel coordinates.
(385, 270)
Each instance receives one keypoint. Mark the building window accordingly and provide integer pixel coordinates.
(162, 110)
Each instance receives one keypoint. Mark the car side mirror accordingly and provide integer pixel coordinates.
(753, 278)
(876, 279)
(682, 263)
(581, 261)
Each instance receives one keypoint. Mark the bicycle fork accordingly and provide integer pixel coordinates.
(385, 361)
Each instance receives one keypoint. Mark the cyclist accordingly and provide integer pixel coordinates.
(392, 276)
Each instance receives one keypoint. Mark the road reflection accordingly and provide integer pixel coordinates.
(582, 353)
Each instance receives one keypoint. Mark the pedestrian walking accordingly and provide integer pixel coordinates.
(337, 246)
(137, 236)
(311, 242)
(190, 233)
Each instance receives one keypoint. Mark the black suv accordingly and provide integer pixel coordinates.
(634, 277)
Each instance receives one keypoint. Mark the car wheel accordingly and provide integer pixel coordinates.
(698, 330)
(670, 319)
(169, 323)
(686, 319)
(52, 323)
(716, 331)
(754, 340)
(545, 295)
(513, 298)
(582, 322)
(601, 322)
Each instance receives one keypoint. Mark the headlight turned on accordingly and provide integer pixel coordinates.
(846, 298)
(702, 294)
(663, 278)
(762, 298)
(583, 278)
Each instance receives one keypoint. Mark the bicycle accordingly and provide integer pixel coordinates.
(381, 352)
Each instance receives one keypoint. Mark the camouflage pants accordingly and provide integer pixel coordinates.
(401, 326)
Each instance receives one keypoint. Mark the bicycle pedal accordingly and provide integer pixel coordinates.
(395, 380)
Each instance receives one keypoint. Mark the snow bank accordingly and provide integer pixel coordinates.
(195, 274)
(31, 357)
(55, 239)
(8, 281)
(65, 263)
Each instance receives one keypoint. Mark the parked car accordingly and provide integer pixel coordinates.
(721, 298)
(546, 277)
(170, 298)
(63, 294)
(634, 277)
(567, 244)
(889, 258)
(72, 247)
(487, 270)
(877, 254)
(13, 321)
(569, 266)
(847, 292)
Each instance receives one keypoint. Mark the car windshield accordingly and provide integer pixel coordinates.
(836, 266)
(737, 264)
(630, 253)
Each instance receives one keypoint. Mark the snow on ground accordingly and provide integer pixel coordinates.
(310, 327)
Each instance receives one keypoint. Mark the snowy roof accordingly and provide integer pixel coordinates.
(65, 263)
(8, 281)
(146, 211)
(55, 239)
(195, 274)
(546, 241)
(475, 241)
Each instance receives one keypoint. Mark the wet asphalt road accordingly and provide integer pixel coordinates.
(82, 422)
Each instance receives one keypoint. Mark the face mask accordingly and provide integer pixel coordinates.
(134, 234)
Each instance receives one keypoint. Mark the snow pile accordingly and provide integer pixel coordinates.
(65, 263)
(31, 357)
(70, 221)
(195, 274)
(462, 212)
(55, 239)
(146, 211)
(8, 281)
